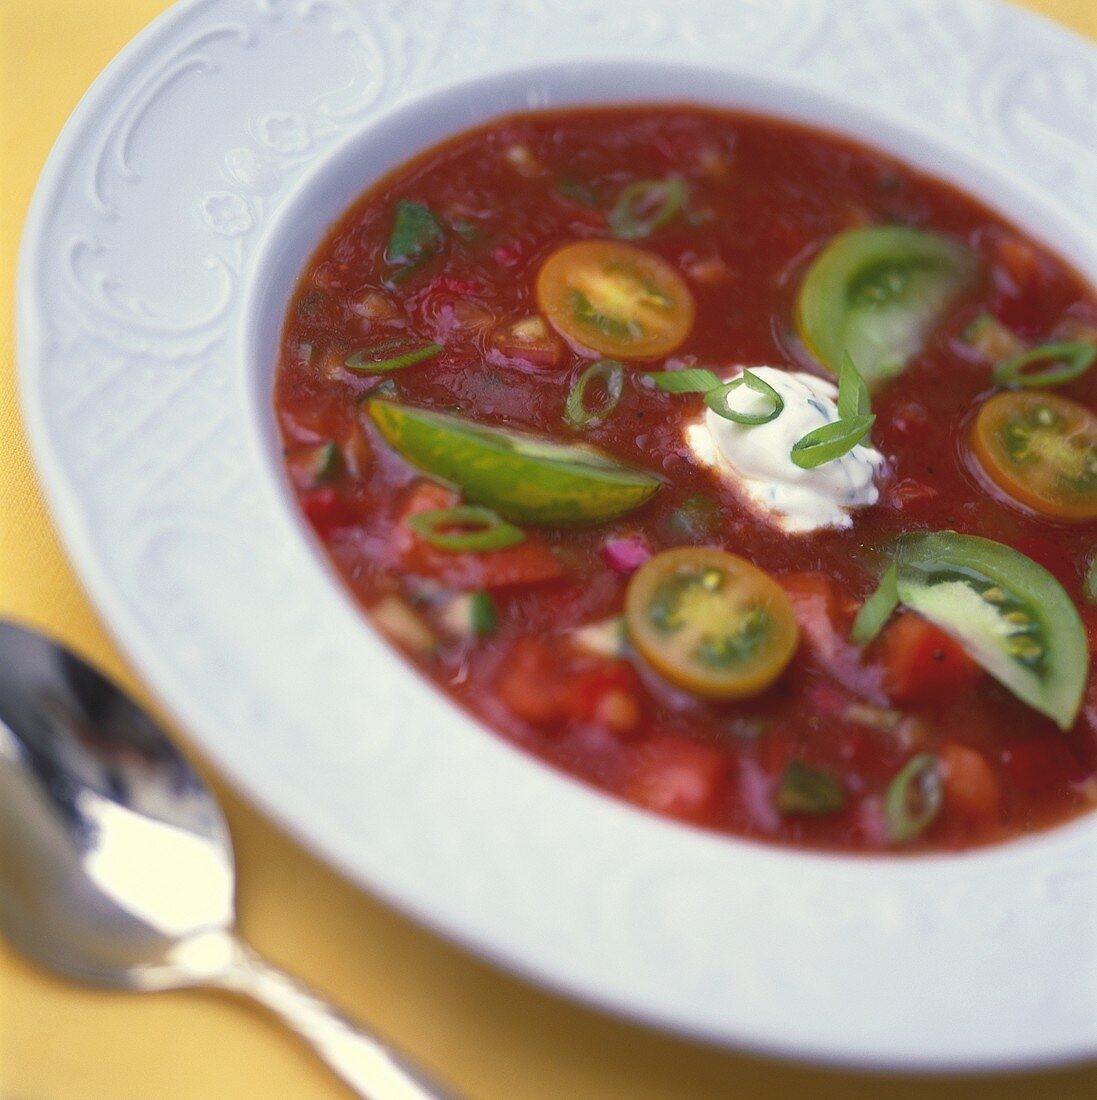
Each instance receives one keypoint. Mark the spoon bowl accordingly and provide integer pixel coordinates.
(116, 866)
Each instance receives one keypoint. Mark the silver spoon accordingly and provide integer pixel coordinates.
(116, 865)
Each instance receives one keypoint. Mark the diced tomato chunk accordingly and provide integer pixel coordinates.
(1021, 278)
(531, 683)
(606, 695)
(1016, 261)
(1041, 764)
(328, 510)
(908, 494)
(530, 562)
(677, 777)
(972, 791)
(923, 664)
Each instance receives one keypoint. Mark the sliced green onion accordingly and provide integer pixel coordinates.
(416, 236)
(1066, 361)
(483, 616)
(645, 206)
(877, 609)
(913, 798)
(1089, 585)
(831, 441)
(611, 375)
(717, 400)
(691, 380)
(804, 790)
(853, 398)
(465, 528)
(365, 361)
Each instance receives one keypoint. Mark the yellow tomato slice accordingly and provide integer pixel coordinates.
(1041, 450)
(711, 622)
(615, 299)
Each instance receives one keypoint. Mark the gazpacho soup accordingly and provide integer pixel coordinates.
(736, 469)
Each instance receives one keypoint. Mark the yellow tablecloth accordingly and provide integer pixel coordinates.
(488, 1035)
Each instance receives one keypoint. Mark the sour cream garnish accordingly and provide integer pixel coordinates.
(757, 457)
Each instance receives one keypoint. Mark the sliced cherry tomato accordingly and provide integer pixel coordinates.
(1041, 450)
(710, 622)
(615, 299)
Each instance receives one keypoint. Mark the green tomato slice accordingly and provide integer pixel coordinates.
(1010, 614)
(524, 477)
(875, 294)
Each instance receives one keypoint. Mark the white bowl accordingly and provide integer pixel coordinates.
(169, 228)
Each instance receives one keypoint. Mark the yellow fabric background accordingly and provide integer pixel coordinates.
(486, 1034)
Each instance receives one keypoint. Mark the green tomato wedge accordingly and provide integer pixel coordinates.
(875, 293)
(1010, 614)
(523, 477)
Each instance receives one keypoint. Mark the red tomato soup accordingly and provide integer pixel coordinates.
(733, 468)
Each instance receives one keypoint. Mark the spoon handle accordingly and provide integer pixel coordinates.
(369, 1067)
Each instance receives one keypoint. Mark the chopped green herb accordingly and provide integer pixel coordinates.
(611, 376)
(645, 206)
(483, 616)
(831, 441)
(395, 355)
(717, 400)
(853, 398)
(1064, 362)
(877, 609)
(804, 790)
(416, 236)
(913, 798)
(691, 380)
(466, 528)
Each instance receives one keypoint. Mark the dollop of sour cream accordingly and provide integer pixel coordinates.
(757, 458)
